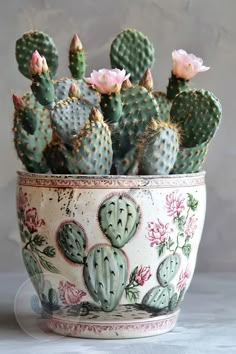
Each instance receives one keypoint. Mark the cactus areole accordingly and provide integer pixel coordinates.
(112, 203)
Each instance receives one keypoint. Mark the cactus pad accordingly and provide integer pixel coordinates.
(139, 106)
(69, 118)
(132, 51)
(164, 105)
(168, 269)
(72, 242)
(175, 86)
(93, 151)
(31, 41)
(111, 107)
(198, 113)
(119, 218)
(190, 160)
(158, 298)
(30, 147)
(58, 158)
(161, 147)
(34, 270)
(105, 275)
(128, 165)
(61, 88)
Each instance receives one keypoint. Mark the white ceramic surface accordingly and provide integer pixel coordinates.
(111, 256)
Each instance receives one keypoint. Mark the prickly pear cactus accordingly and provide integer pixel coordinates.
(105, 275)
(30, 147)
(190, 160)
(34, 270)
(127, 52)
(62, 87)
(31, 41)
(119, 218)
(198, 113)
(164, 105)
(159, 297)
(161, 146)
(72, 242)
(168, 269)
(139, 107)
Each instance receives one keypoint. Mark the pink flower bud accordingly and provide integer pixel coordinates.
(95, 115)
(74, 91)
(18, 102)
(76, 45)
(38, 64)
(186, 66)
(107, 81)
(147, 80)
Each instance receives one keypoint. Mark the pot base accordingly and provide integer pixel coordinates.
(114, 329)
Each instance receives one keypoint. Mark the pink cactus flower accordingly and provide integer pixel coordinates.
(191, 226)
(69, 294)
(32, 220)
(38, 64)
(183, 278)
(186, 66)
(174, 204)
(22, 200)
(142, 275)
(158, 232)
(107, 81)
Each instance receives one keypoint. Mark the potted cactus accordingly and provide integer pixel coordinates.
(111, 206)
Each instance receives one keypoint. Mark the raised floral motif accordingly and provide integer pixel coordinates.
(139, 276)
(32, 220)
(69, 294)
(191, 226)
(174, 204)
(158, 233)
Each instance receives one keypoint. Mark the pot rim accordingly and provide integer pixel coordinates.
(22, 173)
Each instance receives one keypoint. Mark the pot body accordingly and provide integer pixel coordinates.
(110, 256)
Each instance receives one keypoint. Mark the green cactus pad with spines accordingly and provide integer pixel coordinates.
(139, 106)
(93, 151)
(30, 147)
(69, 117)
(175, 86)
(77, 64)
(164, 105)
(198, 113)
(29, 119)
(190, 160)
(72, 242)
(129, 164)
(105, 275)
(62, 87)
(158, 298)
(168, 269)
(160, 150)
(111, 107)
(34, 270)
(28, 43)
(132, 51)
(43, 89)
(58, 158)
(119, 218)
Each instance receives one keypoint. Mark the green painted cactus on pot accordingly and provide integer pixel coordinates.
(105, 275)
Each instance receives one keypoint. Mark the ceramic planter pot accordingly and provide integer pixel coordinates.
(111, 256)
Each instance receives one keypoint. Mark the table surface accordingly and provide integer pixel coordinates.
(207, 324)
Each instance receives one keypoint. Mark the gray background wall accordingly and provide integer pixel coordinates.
(204, 27)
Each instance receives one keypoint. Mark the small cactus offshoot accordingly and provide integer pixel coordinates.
(114, 121)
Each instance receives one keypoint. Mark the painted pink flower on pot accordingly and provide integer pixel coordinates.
(69, 294)
(165, 237)
(183, 278)
(139, 276)
(22, 200)
(32, 220)
(174, 204)
(191, 226)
